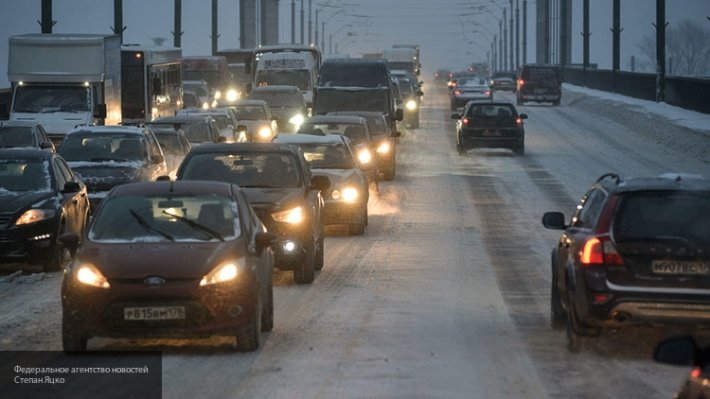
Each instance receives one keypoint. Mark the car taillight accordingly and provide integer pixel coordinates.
(465, 121)
(457, 92)
(696, 372)
(488, 92)
(521, 82)
(519, 120)
(600, 250)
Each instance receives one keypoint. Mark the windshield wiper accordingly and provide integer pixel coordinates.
(147, 227)
(197, 226)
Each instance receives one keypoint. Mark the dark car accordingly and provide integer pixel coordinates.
(484, 124)
(539, 83)
(40, 198)
(198, 129)
(332, 156)
(685, 351)
(169, 260)
(411, 94)
(107, 156)
(20, 134)
(384, 138)
(278, 183)
(356, 129)
(503, 80)
(637, 251)
(256, 116)
(174, 144)
(288, 108)
(469, 89)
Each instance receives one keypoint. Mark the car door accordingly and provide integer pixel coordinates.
(75, 204)
(156, 161)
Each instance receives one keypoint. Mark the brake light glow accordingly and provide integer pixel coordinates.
(465, 121)
(519, 120)
(696, 372)
(457, 92)
(600, 251)
(521, 82)
(488, 92)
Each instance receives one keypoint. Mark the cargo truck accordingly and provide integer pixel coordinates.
(65, 80)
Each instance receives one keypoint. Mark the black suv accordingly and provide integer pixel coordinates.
(485, 124)
(539, 83)
(277, 181)
(636, 251)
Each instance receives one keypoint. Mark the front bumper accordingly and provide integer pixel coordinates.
(341, 212)
(31, 243)
(294, 241)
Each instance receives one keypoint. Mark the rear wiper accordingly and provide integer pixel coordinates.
(147, 227)
(197, 226)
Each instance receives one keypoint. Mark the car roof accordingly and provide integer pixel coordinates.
(25, 152)
(251, 102)
(182, 119)
(364, 114)
(276, 88)
(243, 147)
(124, 129)
(353, 61)
(310, 139)
(180, 187)
(336, 119)
(665, 182)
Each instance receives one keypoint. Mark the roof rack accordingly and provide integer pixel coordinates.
(617, 178)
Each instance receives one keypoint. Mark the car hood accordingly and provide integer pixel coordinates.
(101, 176)
(274, 197)
(170, 260)
(15, 201)
(338, 177)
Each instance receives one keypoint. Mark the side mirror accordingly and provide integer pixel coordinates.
(455, 116)
(264, 240)
(320, 183)
(158, 159)
(100, 111)
(71, 187)
(681, 351)
(221, 139)
(523, 116)
(396, 134)
(554, 220)
(399, 114)
(70, 242)
(163, 178)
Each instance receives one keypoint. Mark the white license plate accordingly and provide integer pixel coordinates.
(680, 268)
(492, 133)
(154, 313)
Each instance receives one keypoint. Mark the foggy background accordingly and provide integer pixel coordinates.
(439, 26)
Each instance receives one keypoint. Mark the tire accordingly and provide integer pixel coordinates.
(53, 263)
(320, 253)
(267, 312)
(519, 150)
(578, 335)
(556, 102)
(460, 149)
(248, 335)
(453, 106)
(388, 174)
(305, 272)
(72, 339)
(557, 314)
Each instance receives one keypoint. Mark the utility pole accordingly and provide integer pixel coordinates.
(302, 21)
(505, 43)
(316, 35)
(293, 21)
(177, 24)
(118, 27)
(512, 61)
(616, 36)
(585, 34)
(214, 35)
(495, 52)
(46, 23)
(525, 31)
(310, 23)
(517, 34)
(322, 36)
(565, 25)
(660, 50)
(501, 53)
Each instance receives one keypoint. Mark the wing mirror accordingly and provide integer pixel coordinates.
(554, 220)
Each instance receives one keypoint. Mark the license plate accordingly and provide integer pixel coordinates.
(492, 133)
(154, 313)
(680, 268)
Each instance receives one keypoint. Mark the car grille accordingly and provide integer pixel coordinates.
(5, 217)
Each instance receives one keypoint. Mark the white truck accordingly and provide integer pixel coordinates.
(293, 65)
(65, 80)
(403, 58)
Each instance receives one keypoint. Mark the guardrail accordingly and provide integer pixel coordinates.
(685, 92)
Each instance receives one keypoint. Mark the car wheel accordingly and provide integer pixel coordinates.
(415, 122)
(248, 335)
(519, 150)
(557, 314)
(453, 106)
(578, 335)
(305, 272)
(320, 253)
(72, 339)
(556, 102)
(267, 313)
(460, 149)
(56, 256)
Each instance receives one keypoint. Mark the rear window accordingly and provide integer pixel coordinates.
(491, 111)
(354, 74)
(540, 73)
(682, 215)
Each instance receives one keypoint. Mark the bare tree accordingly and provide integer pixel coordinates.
(687, 44)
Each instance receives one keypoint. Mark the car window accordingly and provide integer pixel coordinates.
(327, 156)
(93, 147)
(590, 210)
(60, 175)
(491, 111)
(17, 175)
(17, 136)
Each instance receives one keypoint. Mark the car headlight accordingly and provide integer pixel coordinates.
(205, 105)
(34, 215)
(384, 148)
(232, 95)
(291, 216)
(296, 120)
(347, 194)
(88, 274)
(227, 271)
(364, 156)
(411, 105)
(265, 133)
(217, 95)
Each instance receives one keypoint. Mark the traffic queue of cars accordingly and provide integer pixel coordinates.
(174, 226)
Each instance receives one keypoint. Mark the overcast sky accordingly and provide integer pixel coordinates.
(363, 25)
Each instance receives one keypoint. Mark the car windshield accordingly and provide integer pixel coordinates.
(664, 214)
(169, 142)
(136, 218)
(248, 169)
(278, 99)
(356, 132)
(250, 112)
(102, 147)
(24, 175)
(327, 156)
(46, 99)
(491, 111)
(16, 136)
(300, 78)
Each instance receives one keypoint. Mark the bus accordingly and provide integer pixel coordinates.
(214, 70)
(151, 83)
